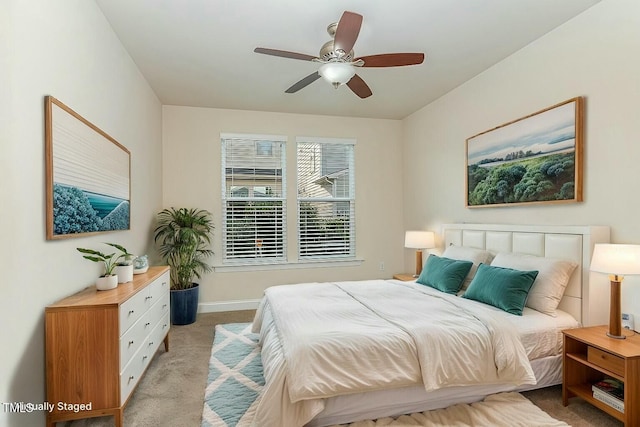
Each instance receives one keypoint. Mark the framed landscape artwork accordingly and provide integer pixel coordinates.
(535, 159)
(87, 176)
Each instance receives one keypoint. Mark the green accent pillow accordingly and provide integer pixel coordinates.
(504, 288)
(444, 274)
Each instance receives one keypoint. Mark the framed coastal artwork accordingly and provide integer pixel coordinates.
(532, 160)
(88, 176)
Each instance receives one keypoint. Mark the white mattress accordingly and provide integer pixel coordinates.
(541, 337)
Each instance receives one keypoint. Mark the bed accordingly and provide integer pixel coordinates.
(339, 352)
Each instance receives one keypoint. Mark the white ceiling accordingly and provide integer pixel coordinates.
(200, 52)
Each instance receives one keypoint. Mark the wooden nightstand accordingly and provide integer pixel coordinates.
(589, 356)
(404, 277)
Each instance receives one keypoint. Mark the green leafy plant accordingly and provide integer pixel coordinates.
(108, 259)
(183, 236)
(125, 258)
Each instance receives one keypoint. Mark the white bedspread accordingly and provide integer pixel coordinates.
(327, 339)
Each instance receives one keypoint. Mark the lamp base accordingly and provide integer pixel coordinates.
(618, 337)
(418, 263)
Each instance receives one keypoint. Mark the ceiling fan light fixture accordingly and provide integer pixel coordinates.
(337, 73)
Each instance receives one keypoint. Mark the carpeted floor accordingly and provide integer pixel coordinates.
(171, 393)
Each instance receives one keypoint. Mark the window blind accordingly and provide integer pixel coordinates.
(326, 198)
(253, 198)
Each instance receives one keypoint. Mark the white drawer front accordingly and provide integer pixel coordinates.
(158, 334)
(144, 322)
(160, 308)
(159, 288)
(132, 373)
(132, 309)
(133, 339)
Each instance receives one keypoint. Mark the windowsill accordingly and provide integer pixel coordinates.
(228, 268)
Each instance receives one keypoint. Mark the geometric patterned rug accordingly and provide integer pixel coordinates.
(235, 377)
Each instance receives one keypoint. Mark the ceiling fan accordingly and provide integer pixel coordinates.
(337, 58)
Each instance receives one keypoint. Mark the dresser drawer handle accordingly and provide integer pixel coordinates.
(144, 357)
(164, 306)
(131, 312)
(130, 378)
(130, 343)
(150, 343)
(146, 324)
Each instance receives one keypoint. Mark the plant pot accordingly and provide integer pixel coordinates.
(124, 273)
(184, 305)
(107, 282)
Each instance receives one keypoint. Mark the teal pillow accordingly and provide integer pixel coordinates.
(504, 288)
(444, 274)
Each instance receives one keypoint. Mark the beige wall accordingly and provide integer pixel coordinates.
(192, 178)
(595, 55)
(68, 50)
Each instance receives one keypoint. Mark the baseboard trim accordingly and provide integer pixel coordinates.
(215, 307)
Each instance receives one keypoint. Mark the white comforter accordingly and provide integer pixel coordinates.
(325, 339)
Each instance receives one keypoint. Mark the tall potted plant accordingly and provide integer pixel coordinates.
(183, 237)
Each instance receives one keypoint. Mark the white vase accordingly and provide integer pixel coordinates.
(124, 273)
(107, 282)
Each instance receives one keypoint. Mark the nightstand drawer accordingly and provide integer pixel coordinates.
(606, 360)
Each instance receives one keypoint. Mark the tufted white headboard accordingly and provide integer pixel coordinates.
(575, 243)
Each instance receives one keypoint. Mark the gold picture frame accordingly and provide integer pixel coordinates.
(532, 160)
(88, 176)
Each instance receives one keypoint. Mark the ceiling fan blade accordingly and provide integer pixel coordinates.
(303, 83)
(359, 87)
(392, 59)
(284, 54)
(347, 31)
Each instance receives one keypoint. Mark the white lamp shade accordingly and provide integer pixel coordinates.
(419, 240)
(337, 72)
(616, 259)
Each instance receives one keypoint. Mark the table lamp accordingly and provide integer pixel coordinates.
(616, 260)
(419, 240)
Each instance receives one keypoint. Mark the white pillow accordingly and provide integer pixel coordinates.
(476, 256)
(548, 288)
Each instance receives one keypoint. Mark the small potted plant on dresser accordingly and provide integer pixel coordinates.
(109, 279)
(183, 237)
(124, 264)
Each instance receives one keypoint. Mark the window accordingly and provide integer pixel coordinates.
(326, 198)
(253, 198)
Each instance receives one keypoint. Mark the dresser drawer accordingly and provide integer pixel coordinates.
(159, 288)
(606, 360)
(157, 335)
(132, 373)
(132, 309)
(159, 308)
(130, 343)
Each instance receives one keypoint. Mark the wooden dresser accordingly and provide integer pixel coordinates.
(99, 343)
